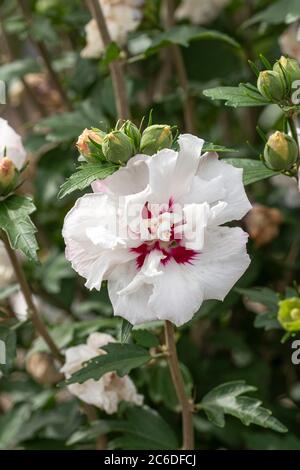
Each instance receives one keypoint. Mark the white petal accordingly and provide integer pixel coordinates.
(12, 143)
(232, 181)
(130, 179)
(177, 295)
(222, 261)
(134, 307)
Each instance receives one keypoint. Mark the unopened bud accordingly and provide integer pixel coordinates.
(288, 69)
(281, 152)
(133, 132)
(271, 85)
(289, 314)
(8, 176)
(85, 143)
(117, 147)
(155, 138)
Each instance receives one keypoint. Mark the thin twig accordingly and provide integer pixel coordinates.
(188, 101)
(32, 310)
(43, 51)
(186, 403)
(116, 66)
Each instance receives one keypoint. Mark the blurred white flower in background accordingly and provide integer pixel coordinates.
(7, 275)
(290, 190)
(169, 276)
(107, 392)
(200, 11)
(11, 145)
(290, 41)
(122, 16)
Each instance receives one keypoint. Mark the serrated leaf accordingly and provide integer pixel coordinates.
(254, 170)
(226, 399)
(121, 358)
(85, 175)
(182, 35)
(15, 221)
(243, 95)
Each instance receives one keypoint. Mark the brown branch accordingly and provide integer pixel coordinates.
(43, 52)
(185, 402)
(116, 66)
(178, 62)
(32, 310)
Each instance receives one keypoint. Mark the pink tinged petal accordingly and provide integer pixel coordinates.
(146, 274)
(222, 262)
(133, 178)
(177, 295)
(232, 181)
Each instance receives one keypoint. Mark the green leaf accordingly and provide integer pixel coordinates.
(125, 331)
(209, 147)
(242, 96)
(145, 338)
(18, 69)
(254, 170)
(263, 295)
(11, 423)
(120, 358)
(144, 429)
(85, 175)
(283, 11)
(267, 320)
(111, 53)
(53, 271)
(226, 399)
(15, 221)
(182, 35)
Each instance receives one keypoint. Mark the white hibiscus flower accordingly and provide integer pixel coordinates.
(11, 144)
(152, 229)
(122, 16)
(200, 11)
(107, 392)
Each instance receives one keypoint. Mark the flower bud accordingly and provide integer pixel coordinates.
(132, 131)
(272, 85)
(288, 69)
(281, 152)
(289, 314)
(85, 144)
(8, 176)
(155, 138)
(117, 147)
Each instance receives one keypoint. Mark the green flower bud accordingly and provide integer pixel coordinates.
(117, 147)
(288, 69)
(155, 138)
(289, 314)
(271, 85)
(85, 145)
(132, 131)
(281, 152)
(8, 176)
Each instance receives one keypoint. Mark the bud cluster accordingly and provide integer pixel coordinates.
(121, 144)
(281, 152)
(276, 85)
(289, 314)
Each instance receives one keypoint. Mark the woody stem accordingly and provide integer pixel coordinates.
(185, 402)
